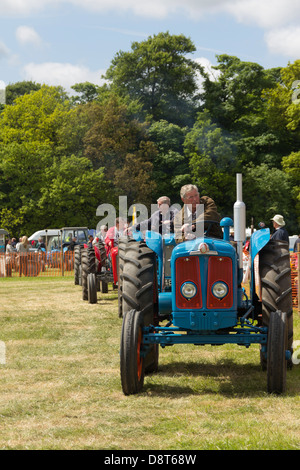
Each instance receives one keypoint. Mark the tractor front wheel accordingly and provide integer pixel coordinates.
(140, 291)
(92, 288)
(132, 364)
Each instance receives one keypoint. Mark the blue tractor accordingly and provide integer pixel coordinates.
(191, 293)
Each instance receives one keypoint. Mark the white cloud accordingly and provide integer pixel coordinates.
(265, 13)
(285, 41)
(208, 68)
(26, 35)
(61, 74)
(23, 7)
(155, 8)
(270, 15)
(4, 51)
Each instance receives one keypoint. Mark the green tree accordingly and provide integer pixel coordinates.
(113, 140)
(212, 155)
(72, 193)
(41, 182)
(283, 106)
(134, 179)
(23, 169)
(267, 191)
(170, 165)
(235, 102)
(234, 99)
(291, 166)
(15, 90)
(159, 74)
(37, 116)
(86, 92)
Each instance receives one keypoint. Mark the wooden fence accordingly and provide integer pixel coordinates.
(295, 269)
(37, 263)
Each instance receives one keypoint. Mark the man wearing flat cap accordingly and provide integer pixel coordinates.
(280, 232)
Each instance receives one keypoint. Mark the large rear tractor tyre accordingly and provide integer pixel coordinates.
(276, 285)
(139, 291)
(103, 255)
(276, 356)
(77, 264)
(88, 265)
(84, 275)
(102, 285)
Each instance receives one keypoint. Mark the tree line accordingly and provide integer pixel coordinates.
(160, 121)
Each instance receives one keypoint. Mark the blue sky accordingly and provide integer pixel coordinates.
(63, 42)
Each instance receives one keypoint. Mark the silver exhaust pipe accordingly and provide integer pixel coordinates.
(239, 215)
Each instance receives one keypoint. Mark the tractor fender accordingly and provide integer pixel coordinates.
(259, 239)
(114, 255)
(154, 241)
(97, 253)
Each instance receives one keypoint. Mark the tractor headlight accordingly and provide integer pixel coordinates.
(220, 290)
(188, 290)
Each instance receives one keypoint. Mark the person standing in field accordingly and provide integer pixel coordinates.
(23, 250)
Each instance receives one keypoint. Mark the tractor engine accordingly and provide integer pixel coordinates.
(205, 278)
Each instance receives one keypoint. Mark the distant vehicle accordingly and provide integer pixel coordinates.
(292, 239)
(3, 236)
(69, 238)
(69, 233)
(57, 240)
(51, 238)
(54, 238)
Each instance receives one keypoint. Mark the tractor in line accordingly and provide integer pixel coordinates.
(192, 293)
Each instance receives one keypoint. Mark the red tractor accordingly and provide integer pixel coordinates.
(97, 267)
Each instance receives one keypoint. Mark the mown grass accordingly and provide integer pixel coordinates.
(60, 387)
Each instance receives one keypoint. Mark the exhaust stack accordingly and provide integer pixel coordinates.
(239, 215)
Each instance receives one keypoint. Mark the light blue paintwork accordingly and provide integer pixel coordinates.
(203, 326)
(258, 240)
(205, 318)
(226, 223)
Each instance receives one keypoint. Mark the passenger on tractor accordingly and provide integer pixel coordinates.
(90, 242)
(161, 221)
(186, 220)
(100, 236)
(113, 234)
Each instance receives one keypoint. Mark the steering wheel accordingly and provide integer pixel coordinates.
(211, 223)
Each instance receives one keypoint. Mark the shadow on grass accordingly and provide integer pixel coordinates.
(226, 377)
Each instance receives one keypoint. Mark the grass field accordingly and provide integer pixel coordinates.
(60, 386)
